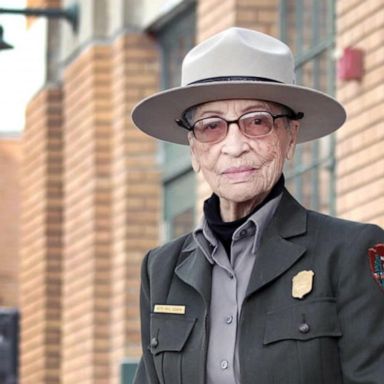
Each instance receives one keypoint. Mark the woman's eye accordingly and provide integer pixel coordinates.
(256, 121)
(211, 125)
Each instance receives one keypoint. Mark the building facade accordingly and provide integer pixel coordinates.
(10, 163)
(97, 193)
(10, 160)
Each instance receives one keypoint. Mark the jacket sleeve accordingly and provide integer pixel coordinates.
(361, 310)
(146, 373)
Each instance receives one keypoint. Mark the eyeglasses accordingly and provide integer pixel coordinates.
(252, 124)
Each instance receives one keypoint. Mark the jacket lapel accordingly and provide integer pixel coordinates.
(196, 271)
(277, 253)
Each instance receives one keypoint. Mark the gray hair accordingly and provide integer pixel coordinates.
(189, 114)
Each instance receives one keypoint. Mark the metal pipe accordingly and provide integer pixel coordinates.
(71, 14)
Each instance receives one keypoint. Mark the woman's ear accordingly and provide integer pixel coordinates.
(194, 159)
(294, 127)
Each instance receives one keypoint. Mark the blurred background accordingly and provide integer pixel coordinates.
(84, 194)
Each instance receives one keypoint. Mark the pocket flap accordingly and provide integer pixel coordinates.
(169, 332)
(304, 321)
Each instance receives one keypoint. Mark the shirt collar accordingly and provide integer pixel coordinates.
(254, 226)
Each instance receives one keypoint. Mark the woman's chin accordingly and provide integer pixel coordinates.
(239, 193)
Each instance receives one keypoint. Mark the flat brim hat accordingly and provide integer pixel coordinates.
(238, 64)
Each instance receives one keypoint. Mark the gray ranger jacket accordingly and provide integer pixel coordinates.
(334, 334)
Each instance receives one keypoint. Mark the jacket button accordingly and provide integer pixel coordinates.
(154, 342)
(304, 328)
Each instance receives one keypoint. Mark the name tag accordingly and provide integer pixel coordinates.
(175, 309)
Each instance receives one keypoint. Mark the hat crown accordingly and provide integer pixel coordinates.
(239, 52)
(238, 63)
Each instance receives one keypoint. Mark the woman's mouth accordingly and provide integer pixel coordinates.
(239, 174)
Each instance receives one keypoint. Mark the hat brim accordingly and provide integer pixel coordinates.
(156, 114)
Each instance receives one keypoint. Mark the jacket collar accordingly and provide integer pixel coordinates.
(276, 254)
(290, 218)
(195, 269)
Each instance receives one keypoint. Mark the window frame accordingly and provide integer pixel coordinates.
(326, 45)
(174, 158)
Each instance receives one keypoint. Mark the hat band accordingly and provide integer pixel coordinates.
(234, 78)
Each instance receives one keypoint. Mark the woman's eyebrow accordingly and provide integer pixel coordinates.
(209, 112)
(256, 107)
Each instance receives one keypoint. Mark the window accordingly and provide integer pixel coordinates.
(176, 38)
(307, 26)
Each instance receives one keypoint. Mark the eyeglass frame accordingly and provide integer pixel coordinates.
(184, 123)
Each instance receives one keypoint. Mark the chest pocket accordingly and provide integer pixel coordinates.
(169, 332)
(169, 336)
(305, 337)
(304, 321)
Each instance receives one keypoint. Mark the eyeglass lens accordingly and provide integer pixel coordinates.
(252, 124)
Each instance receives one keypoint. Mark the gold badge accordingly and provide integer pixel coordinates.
(175, 309)
(302, 284)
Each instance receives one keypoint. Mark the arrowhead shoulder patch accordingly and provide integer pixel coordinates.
(376, 262)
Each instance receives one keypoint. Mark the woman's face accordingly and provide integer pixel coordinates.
(238, 168)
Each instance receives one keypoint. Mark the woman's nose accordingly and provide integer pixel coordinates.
(235, 143)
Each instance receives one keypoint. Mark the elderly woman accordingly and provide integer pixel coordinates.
(263, 291)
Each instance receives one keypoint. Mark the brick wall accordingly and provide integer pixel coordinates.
(90, 212)
(214, 16)
(136, 191)
(261, 15)
(80, 276)
(41, 234)
(360, 171)
(10, 159)
(87, 230)
(41, 247)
